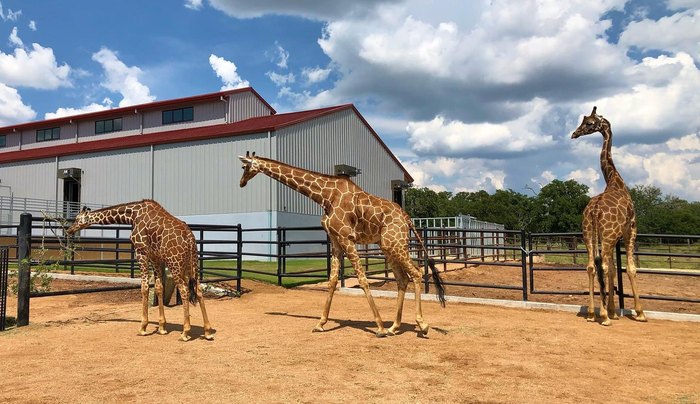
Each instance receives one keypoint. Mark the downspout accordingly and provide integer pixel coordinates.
(153, 171)
(272, 184)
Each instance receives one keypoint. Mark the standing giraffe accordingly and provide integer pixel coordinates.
(607, 218)
(159, 240)
(353, 216)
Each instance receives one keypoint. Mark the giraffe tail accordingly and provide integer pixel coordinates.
(599, 273)
(439, 285)
(192, 286)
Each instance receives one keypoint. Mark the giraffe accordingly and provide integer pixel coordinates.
(607, 218)
(353, 216)
(159, 240)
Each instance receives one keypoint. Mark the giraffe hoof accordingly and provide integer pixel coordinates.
(606, 322)
(318, 328)
(162, 331)
(142, 333)
(641, 317)
(381, 334)
(590, 319)
(209, 337)
(185, 338)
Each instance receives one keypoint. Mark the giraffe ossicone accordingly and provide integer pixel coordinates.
(607, 218)
(352, 216)
(159, 239)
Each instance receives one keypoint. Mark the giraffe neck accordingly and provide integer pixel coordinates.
(305, 182)
(120, 214)
(612, 177)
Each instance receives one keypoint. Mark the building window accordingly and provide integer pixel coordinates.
(108, 125)
(3, 141)
(48, 134)
(178, 115)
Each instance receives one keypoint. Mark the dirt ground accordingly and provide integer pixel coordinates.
(84, 348)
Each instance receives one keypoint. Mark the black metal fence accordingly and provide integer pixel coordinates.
(4, 268)
(222, 249)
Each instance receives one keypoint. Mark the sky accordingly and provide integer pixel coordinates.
(469, 95)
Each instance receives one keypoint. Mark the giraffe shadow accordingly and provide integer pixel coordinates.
(369, 327)
(196, 331)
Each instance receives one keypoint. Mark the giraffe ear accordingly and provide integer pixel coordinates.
(594, 111)
(247, 153)
(253, 154)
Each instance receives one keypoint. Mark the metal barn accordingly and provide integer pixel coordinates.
(183, 153)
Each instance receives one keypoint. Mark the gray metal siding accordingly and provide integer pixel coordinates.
(113, 177)
(34, 179)
(246, 105)
(339, 138)
(203, 177)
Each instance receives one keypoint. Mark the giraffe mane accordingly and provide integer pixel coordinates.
(331, 176)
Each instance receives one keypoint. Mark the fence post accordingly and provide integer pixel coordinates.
(426, 282)
(279, 256)
(620, 289)
(328, 257)
(24, 243)
(523, 259)
(201, 254)
(239, 259)
(4, 257)
(342, 270)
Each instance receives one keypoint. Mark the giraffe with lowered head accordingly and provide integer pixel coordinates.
(353, 216)
(607, 218)
(159, 240)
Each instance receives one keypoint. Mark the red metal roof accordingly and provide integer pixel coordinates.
(130, 109)
(244, 127)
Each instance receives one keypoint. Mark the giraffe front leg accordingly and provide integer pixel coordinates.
(208, 335)
(401, 283)
(632, 274)
(158, 273)
(612, 274)
(364, 284)
(332, 283)
(186, 326)
(145, 273)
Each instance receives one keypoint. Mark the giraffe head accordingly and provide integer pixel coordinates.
(250, 167)
(590, 124)
(80, 222)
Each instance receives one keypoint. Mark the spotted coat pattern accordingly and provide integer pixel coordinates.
(607, 218)
(159, 240)
(352, 216)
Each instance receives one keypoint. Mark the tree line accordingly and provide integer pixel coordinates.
(556, 208)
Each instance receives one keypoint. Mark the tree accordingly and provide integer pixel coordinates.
(559, 206)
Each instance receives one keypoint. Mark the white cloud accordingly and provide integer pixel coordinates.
(15, 40)
(282, 56)
(227, 72)
(36, 68)
(679, 32)
(118, 77)
(456, 175)
(440, 136)
(587, 176)
(10, 15)
(193, 4)
(315, 74)
(682, 4)
(32, 25)
(281, 79)
(311, 9)
(12, 108)
(93, 107)
(664, 109)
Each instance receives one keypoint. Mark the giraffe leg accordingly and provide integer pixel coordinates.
(145, 273)
(418, 290)
(185, 294)
(612, 274)
(401, 284)
(332, 283)
(605, 264)
(207, 326)
(158, 273)
(364, 284)
(632, 274)
(590, 268)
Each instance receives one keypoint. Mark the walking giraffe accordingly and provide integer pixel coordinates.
(159, 239)
(353, 216)
(607, 218)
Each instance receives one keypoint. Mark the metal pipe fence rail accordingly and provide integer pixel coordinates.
(692, 257)
(4, 269)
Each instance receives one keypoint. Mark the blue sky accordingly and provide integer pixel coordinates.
(469, 95)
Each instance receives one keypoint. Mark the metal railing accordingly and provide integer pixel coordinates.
(4, 269)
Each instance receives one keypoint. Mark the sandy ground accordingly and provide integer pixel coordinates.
(84, 348)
